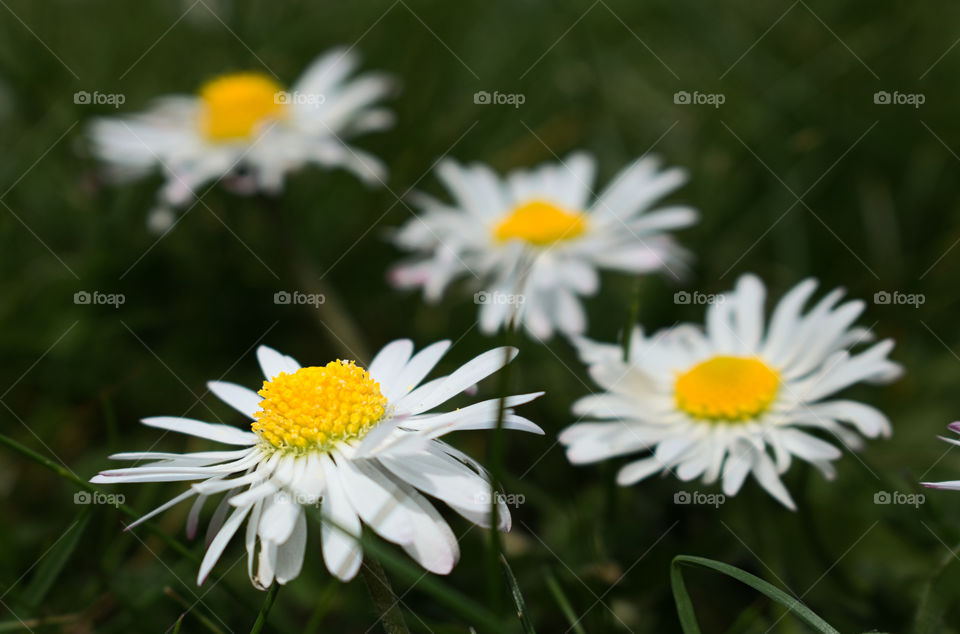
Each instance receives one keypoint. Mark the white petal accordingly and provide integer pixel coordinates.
(738, 464)
(163, 507)
(808, 447)
(253, 494)
(290, 553)
(416, 369)
(750, 296)
(786, 320)
(250, 541)
(279, 517)
(376, 500)
(390, 361)
(267, 564)
(242, 399)
(311, 483)
(212, 487)
(446, 479)
(766, 474)
(341, 527)
(273, 363)
(638, 470)
(220, 542)
(868, 420)
(442, 390)
(434, 545)
(211, 431)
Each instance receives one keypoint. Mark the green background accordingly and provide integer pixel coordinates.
(878, 212)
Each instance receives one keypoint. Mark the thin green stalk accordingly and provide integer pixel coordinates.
(265, 610)
(495, 458)
(557, 592)
(633, 315)
(384, 599)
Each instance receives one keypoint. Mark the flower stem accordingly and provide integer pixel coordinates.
(384, 600)
(265, 610)
(496, 458)
(633, 315)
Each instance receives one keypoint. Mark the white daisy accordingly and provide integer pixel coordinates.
(360, 444)
(535, 238)
(735, 398)
(249, 130)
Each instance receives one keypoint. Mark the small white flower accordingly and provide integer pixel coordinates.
(716, 403)
(246, 129)
(534, 239)
(360, 444)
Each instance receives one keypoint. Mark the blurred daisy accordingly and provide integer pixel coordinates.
(249, 130)
(535, 239)
(737, 398)
(358, 443)
(953, 485)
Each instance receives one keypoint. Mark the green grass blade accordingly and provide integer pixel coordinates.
(518, 600)
(688, 618)
(557, 592)
(53, 563)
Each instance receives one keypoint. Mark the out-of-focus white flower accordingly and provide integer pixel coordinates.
(535, 239)
(715, 403)
(248, 130)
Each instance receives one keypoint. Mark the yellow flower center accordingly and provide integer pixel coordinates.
(234, 105)
(541, 223)
(314, 408)
(727, 388)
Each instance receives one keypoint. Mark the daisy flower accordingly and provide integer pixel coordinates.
(736, 398)
(360, 444)
(535, 239)
(249, 130)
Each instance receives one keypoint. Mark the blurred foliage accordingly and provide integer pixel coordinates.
(879, 212)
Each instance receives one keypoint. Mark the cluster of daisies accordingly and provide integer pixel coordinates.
(741, 395)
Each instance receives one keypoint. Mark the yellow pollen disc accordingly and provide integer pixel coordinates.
(541, 223)
(233, 105)
(727, 389)
(313, 408)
